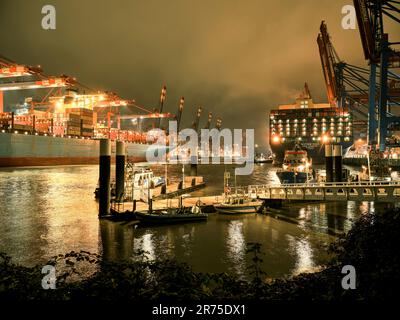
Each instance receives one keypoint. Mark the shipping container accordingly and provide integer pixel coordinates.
(22, 127)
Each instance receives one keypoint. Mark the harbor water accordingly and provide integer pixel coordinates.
(45, 211)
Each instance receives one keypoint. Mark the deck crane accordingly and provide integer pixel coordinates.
(382, 56)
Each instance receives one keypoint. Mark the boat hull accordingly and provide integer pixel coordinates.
(238, 209)
(315, 151)
(263, 161)
(291, 177)
(160, 219)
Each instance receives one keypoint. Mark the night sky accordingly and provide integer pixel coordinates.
(237, 59)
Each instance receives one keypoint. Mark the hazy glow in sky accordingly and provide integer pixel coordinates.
(237, 58)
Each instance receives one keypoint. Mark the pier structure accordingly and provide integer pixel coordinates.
(104, 177)
(377, 191)
(275, 195)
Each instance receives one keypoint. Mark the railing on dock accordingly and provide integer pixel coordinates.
(380, 191)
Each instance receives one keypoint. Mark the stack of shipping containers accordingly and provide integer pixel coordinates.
(73, 120)
(86, 122)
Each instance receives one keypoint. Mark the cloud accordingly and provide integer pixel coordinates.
(237, 59)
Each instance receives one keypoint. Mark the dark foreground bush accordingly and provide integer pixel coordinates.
(371, 247)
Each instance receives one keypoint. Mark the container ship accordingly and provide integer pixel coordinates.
(68, 136)
(308, 125)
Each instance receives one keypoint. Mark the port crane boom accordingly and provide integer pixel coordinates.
(208, 124)
(196, 122)
(384, 86)
(180, 111)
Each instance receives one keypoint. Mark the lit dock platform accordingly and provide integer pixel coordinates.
(205, 203)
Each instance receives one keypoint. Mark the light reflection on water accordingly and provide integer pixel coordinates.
(236, 245)
(304, 253)
(47, 211)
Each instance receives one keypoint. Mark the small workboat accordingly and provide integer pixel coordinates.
(234, 202)
(171, 215)
(261, 158)
(238, 206)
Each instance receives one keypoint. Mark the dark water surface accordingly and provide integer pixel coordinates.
(47, 211)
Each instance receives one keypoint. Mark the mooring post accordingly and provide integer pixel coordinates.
(337, 156)
(120, 171)
(193, 166)
(329, 163)
(104, 177)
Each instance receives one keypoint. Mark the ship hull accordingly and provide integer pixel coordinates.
(18, 150)
(291, 177)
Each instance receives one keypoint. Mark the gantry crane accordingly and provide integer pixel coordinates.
(347, 85)
(163, 96)
(178, 117)
(218, 123)
(208, 123)
(381, 55)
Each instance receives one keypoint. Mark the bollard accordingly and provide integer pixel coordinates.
(193, 166)
(120, 171)
(193, 170)
(104, 177)
(337, 157)
(329, 163)
(180, 202)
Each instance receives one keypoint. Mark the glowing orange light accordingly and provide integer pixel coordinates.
(325, 139)
(276, 139)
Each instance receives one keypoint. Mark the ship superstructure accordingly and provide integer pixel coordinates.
(309, 125)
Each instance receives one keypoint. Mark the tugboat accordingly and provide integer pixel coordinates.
(296, 167)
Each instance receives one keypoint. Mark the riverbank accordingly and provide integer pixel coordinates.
(371, 246)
